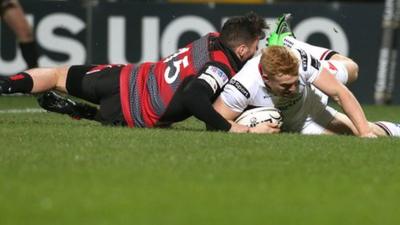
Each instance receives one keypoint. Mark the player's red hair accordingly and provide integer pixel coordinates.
(278, 61)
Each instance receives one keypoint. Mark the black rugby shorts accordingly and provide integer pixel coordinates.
(98, 84)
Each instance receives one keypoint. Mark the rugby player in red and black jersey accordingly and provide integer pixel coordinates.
(151, 94)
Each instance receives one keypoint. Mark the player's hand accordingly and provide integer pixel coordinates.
(265, 128)
(237, 128)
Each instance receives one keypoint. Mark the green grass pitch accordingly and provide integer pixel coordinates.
(54, 170)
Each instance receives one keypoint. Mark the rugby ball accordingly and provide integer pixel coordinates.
(258, 115)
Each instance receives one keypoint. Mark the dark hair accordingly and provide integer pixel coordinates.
(242, 30)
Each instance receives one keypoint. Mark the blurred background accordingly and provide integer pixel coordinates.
(120, 31)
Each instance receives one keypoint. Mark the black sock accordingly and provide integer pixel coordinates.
(18, 83)
(29, 53)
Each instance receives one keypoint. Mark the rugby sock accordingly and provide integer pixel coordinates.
(318, 52)
(392, 129)
(18, 83)
(29, 53)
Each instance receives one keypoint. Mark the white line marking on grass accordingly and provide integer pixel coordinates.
(26, 110)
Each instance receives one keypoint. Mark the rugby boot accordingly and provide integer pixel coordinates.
(4, 85)
(53, 102)
(281, 31)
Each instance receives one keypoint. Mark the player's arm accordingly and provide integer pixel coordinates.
(197, 99)
(224, 110)
(200, 93)
(327, 83)
(230, 115)
(323, 79)
(235, 98)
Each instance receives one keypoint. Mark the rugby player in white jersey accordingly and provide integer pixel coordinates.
(297, 83)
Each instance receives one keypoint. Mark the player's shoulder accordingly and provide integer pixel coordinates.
(248, 79)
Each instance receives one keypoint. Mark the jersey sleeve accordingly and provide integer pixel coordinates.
(309, 67)
(240, 90)
(215, 77)
(235, 96)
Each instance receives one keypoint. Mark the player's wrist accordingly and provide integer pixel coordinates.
(237, 128)
(369, 135)
(366, 132)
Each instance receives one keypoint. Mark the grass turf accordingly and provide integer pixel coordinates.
(54, 170)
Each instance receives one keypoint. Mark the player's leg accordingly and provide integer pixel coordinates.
(341, 124)
(325, 54)
(283, 36)
(351, 66)
(95, 84)
(35, 81)
(313, 115)
(323, 119)
(73, 84)
(13, 15)
(325, 122)
(41, 80)
(54, 102)
(45, 79)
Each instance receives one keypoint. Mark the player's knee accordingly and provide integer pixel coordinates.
(48, 78)
(352, 68)
(61, 77)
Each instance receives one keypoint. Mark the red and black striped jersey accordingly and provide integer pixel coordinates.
(146, 89)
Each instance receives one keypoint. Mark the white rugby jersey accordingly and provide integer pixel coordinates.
(247, 89)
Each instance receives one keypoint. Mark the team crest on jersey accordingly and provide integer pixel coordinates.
(240, 88)
(218, 74)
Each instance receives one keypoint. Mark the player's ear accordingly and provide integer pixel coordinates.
(265, 77)
(241, 51)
